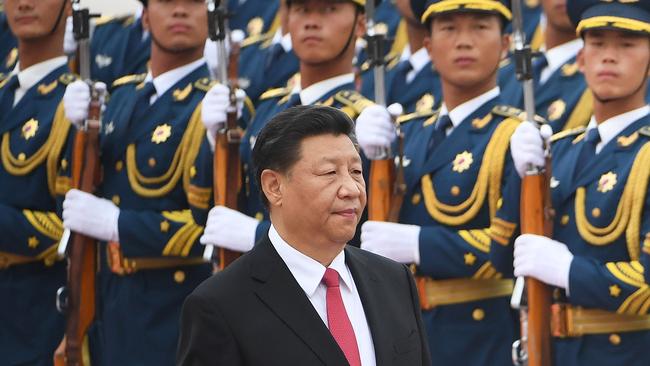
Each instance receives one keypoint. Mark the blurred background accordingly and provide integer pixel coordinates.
(112, 7)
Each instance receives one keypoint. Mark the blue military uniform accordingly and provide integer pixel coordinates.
(119, 46)
(33, 136)
(157, 168)
(254, 17)
(8, 46)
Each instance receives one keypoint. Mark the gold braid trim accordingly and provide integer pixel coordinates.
(637, 303)
(191, 239)
(646, 244)
(581, 112)
(46, 223)
(62, 185)
(49, 255)
(628, 212)
(488, 182)
(627, 272)
(477, 239)
(199, 197)
(182, 241)
(501, 231)
(487, 271)
(49, 151)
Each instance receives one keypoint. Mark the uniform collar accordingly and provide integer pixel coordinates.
(460, 113)
(418, 60)
(307, 271)
(610, 128)
(165, 81)
(35, 73)
(315, 92)
(559, 55)
(283, 40)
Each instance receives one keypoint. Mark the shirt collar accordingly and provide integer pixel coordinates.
(307, 271)
(283, 40)
(559, 55)
(610, 128)
(313, 93)
(166, 80)
(458, 114)
(35, 73)
(419, 59)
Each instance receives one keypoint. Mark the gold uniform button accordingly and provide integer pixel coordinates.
(416, 199)
(478, 314)
(455, 191)
(564, 220)
(595, 212)
(259, 216)
(116, 200)
(192, 171)
(119, 165)
(152, 162)
(22, 157)
(179, 276)
(64, 164)
(615, 339)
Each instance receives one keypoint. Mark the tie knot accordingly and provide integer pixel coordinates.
(13, 82)
(147, 89)
(540, 62)
(405, 66)
(331, 278)
(593, 137)
(294, 100)
(444, 122)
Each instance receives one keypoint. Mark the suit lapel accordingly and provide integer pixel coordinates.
(278, 289)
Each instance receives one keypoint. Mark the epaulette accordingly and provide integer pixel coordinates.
(67, 78)
(205, 84)
(569, 69)
(274, 93)
(513, 112)
(258, 38)
(405, 118)
(388, 60)
(645, 131)
(129, 79)
(567, 133)
(505, 62)
(353, 100)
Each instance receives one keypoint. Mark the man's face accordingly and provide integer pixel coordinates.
(556, 15)
(31, 19)
(320, 29)
(466, 47)
(614, 63)
(324, 193)
(177, 25)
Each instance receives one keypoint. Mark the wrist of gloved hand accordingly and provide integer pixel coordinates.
(399, 242)
(229, 229)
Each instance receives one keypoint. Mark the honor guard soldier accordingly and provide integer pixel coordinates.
(155, 194)
(599, 189)
(456, 163)
(323, 35)
(411, 79)
(561, 94)
(268, 61)
(34, 131)
(8, 50)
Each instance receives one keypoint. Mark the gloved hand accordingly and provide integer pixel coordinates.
(89, 215)
(76, 100)
(375, 131)
(527, 146)
(69, 43)
(210, 50)
(399, 242)
(542, 258)
(215, 108)
(229, 229)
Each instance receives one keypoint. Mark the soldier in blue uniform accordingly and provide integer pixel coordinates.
(149, 211)
(8, 50)
(456, 166)
(599, 188)
(34, 131)
(561, 95)
(323, 34)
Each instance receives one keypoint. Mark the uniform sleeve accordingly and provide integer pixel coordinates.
(27, 233)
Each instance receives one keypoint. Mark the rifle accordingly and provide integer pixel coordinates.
(77, 299)
(387, 186)
(531, 296)
(226, 169)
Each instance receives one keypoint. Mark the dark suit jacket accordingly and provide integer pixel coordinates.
(255, 313)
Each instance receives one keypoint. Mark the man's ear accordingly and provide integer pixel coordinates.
(361, 26)
(145, 19)
(580, 60)
(271, 183)
(505, 46)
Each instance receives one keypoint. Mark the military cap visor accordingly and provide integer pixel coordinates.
(435, 7)
(631, 16)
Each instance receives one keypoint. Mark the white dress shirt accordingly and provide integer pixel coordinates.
(309, 274)
(284, 40)
(558, 56)
(610, 128)
(458, 114)
(33, 74)
(313, 93)
(418, 61)
(166, 80)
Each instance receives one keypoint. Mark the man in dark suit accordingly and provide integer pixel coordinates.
(301, 296)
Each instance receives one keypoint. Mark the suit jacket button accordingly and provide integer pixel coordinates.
(478, 314)
(179, 276)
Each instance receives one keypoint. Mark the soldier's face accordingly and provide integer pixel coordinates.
(323, 194)
(320, 29)
(32, 19)
(466, 48)
(177, 25)
(556, 15)
(615, 63)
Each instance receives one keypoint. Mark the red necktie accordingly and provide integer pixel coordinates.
(337, 319)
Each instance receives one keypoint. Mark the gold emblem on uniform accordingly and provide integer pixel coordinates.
(425, 103)
(614, 290)
(463, 161)
(12, 57)
(45, 89)
(606, 182)
(556, 110)
(161, 133)
(532, 3)
(569, 69)
(255, 26)
(180, 94)
(29, 129)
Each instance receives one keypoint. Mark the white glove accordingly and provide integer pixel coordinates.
(69, 43)
(544, 259)
(229, 229)
(214, 109)
(399, 242)
(89, 215)
(76, 100)
(527, 146)
(210, 50)
(375, 131)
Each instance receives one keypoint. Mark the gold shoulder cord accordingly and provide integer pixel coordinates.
(488, 182)
(628, 212)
